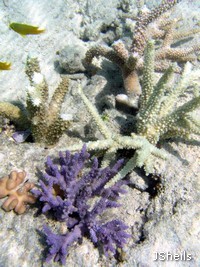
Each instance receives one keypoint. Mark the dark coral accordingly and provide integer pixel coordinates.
(67, 193)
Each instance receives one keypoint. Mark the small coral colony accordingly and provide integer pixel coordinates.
(66, 188)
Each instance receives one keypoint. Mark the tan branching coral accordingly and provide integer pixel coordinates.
(17, 191)
(154, 24)
(159, 118)
(42, 117)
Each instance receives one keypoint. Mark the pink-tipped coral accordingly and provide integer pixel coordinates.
(17, 191)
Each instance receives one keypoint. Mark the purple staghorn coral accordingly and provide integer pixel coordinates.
(67, 192)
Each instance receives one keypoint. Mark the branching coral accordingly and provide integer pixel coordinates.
(159, 118)
(145, 151)
(67, 193)
(17, 191)
(42, 117)
(154, 24)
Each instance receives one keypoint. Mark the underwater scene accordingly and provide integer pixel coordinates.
(99, 133)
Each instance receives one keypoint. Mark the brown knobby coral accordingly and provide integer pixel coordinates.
(153, 24)
(17, 191)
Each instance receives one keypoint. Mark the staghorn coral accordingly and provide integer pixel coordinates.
(155, 24)
(17, 191)
(67, 192)
(159, 118)
(41, 116)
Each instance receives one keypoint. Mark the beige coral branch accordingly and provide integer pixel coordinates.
(17, 191)
(141, 34)
(13, 113)
(150, 25)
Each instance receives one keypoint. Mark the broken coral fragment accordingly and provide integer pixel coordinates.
(21, 136)
(17, 191)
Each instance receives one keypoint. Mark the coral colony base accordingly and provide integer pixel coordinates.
(66, 191)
